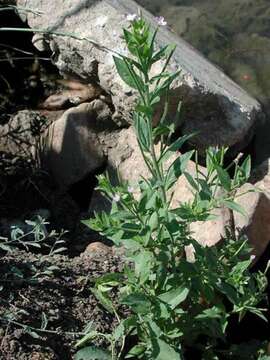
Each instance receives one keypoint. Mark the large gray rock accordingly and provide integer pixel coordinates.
(71, 148)
(222, 112)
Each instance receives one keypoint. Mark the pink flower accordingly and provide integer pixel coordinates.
(131, 17)
(246, 77)
(130, 189)
(161, 21)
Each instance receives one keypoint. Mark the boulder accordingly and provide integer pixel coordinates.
(224, 113)
(70, 149)
(254, 197)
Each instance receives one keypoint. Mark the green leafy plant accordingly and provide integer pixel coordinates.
(180, 294)
(33, 234)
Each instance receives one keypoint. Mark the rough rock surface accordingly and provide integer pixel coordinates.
(226, 114)
(70, 148)
(20, 136)
(256, 225)
(209, 232)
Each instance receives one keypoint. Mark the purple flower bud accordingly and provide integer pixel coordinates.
(130, 189)
(161, 21)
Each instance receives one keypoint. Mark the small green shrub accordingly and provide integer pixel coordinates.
(179, 293)
(33, 234)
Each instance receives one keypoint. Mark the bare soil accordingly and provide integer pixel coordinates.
(64, 297)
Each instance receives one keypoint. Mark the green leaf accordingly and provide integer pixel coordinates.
(92, 353)
(143, 265)
(136, 351)
(212, 313)
(234, 206)
(111, 279)
(138, 302)
(191, 181)
(103, 299)
(163, 130)
(124, 70)
(177, 168)
(246, 167)
(229, 291)
(206, 192)
(163, 351)
(151, 201)
(130, 41)
(176, 145)
(224, 177)
(174, 297)
(5, 247)
(165, 85)
(87, 338)
(32, 333)
(131, 227)
(258, 312)
(142, 131)
(44, 321)
(160, 54)
(119, 331)
(146, 110)
(153, 221)
(241, 267)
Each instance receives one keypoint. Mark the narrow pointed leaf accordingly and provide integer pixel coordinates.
(177, 169)
(126, 75)
(234, 206)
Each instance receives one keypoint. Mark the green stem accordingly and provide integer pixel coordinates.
(64, 34)
(55, 332)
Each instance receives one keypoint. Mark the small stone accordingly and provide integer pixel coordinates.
(39, 42)
(98, 247)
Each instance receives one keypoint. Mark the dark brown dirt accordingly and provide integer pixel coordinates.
(64, 297)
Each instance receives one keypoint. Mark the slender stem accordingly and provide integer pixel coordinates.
(64, 34)
(146, 160)
(25, 58)
(56, 332)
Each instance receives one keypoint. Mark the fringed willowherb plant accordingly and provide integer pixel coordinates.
(180, 294)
